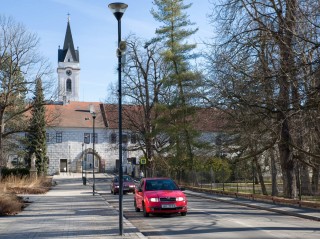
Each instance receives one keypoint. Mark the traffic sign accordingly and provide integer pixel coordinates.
(143, 161)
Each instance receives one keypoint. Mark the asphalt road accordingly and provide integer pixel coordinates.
(212, 219)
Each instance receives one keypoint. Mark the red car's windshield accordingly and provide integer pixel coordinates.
(160, 184)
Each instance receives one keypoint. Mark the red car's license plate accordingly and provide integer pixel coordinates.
(168, 205)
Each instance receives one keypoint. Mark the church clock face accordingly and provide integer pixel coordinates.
(69, 72)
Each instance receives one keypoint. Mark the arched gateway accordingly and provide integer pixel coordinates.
(86, 160)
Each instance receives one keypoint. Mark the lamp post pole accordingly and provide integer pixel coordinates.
(118, 10)
(82, 167)
(93, 143)
(82, 161)
(85, 161)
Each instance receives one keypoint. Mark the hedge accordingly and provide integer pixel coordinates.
(5, 172)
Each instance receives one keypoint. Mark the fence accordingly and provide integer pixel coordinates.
(207, 180)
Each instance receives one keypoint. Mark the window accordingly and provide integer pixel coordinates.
(124, 138)
(113, 138)
(94, 138)
(86, 138)
(59, 137)
(69, 85)
(133, 138)
(48, 137)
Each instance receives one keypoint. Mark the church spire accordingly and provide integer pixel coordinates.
(68, 45)
(68, 69)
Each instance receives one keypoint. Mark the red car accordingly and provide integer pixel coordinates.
(128, 185)
(159, 195)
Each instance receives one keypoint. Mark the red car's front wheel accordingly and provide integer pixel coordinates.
(145, 213)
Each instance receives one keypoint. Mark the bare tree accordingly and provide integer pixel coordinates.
(20, 66)
(262, 65)
(143, 90)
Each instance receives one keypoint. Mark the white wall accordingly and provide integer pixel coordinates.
(71, 148)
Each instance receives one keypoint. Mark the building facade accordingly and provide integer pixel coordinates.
(70, 124)
(70, 140)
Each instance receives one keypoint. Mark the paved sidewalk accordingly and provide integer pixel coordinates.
(69, 210)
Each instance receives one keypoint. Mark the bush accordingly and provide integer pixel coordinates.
(20, 172)
(10, 204)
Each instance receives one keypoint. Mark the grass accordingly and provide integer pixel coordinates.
(11, 187)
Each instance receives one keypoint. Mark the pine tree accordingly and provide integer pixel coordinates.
(37, 135)
(177, 110)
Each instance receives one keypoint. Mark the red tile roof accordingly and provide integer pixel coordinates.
(208, 120)
(74, 114)
(131, 114)
(205, 119)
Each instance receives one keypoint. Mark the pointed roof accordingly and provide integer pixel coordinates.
(68, 45)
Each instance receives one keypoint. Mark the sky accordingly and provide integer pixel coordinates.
(94, 31)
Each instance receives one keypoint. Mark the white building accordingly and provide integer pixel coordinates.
(70, 124)
(70, 138)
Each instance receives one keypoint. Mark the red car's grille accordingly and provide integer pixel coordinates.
(169, 199)
(166, 209)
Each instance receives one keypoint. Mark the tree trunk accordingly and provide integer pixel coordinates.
(305, 180)
(287, 163)
(315, 180)
(287, 24)
(274, 173)
(288, 174)
(2, 161)
(259, 172)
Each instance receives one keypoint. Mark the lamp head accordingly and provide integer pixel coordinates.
(118, 9)
(91, 109)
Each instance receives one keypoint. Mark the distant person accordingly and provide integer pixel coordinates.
(141, 174)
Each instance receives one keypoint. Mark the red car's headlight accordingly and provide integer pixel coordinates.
(154, 199)
(132, 186)
(180, 199)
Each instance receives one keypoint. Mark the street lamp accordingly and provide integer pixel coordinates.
(93, 113)
(82, 167)
(85, 158)
(118, 10)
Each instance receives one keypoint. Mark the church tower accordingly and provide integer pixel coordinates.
(68, 69)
